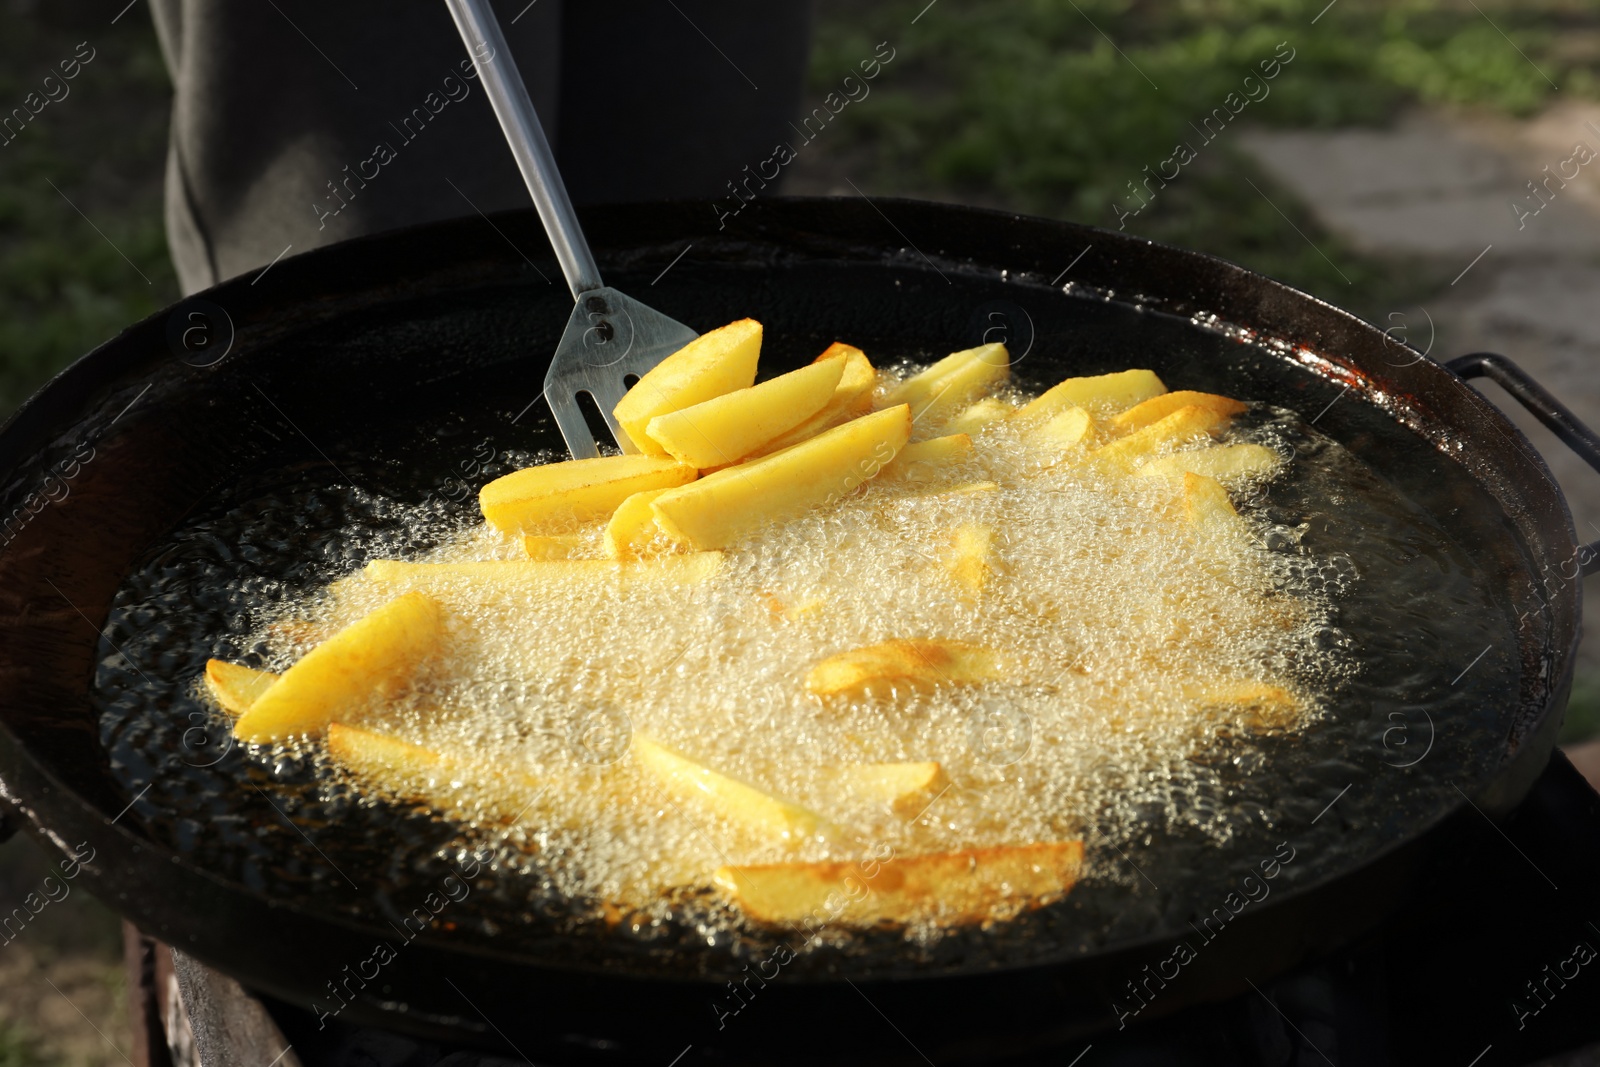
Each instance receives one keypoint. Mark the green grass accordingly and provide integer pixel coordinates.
(18, 1048)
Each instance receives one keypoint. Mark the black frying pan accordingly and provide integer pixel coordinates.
(381, 361)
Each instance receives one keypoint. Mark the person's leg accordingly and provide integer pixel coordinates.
(673, 98)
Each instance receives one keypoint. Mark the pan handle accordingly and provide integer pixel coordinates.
(1548, 410)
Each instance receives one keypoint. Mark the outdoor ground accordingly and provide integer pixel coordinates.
(1377, 173)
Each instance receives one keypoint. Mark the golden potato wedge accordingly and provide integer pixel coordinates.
(1159, 407)
(556, 497)
(908, 788)
(1226, 463)
(722, 508)
(970, 561)
(852, 398)
(690, 782)
(921, 662)
(969, 886)
(455, 785)
(553, 546)
(553, 576)
(727, 428)
(234, 686)
(1205, 502)
(979, 414)
(1182, 425)
(712, 364)
(950, 384)
(1101, 394)
(920, 460)
(1066, 434)
(373, 656)
(632, 531)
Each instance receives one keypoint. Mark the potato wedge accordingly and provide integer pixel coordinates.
(690, 782)
(727, 428)
(1066, 434)
(950, 384)
(969, 886)
(1187, 422)
(976, 416)
(555, 577)
(852, 398)
(556, 497)
(455, 785)
(553, 546)
(1159, 407)
(1263, 705)
(1206, 503)
(970, 560)
(1101, 394)
(1226, 463)
(908, 788)
(920, 662)
(722, 508)
(920, 460)
(234, 686)
(373, 656)
(632, 528)
(712, 364)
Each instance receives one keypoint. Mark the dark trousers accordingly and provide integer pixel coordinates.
(297, 124)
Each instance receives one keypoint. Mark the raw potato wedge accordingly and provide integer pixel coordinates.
(633, 528)
(970, 560)
(722, 508)
(975, 416)
(375, 655)
(1183, 424)
(712, 364)
(553, 546)
(555, 577)
(922, 662)
(454, 785)
(852, 398)
(908, 788)
(950, 384)
(1225, 463)
(691, 782)
(555, 497)
(234, 686)
(1100, 393)
(921, 460)
(1159, 407)
(727, 428)
(969, 886)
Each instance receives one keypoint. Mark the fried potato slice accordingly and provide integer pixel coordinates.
(712, 364)
(1067, 434)
(947, 386)
(727, 428)
(1264, 705)
(1100, 394)
(1182, 425)
(979, 414)
(373, 656)
(632, 530)
(553, 546)
(690, 782)
(1225, 463)
(967, 886)
(926, 662)
(852, 398)
(724, 507)
(457, 786)
(555, 497)
(908, 788)
(1159, 407)
(970, 561)
(921, 460)
(234, 686)
(553, 576)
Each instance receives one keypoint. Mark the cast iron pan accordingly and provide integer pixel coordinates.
(380, 361)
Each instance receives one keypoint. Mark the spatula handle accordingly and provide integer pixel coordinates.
(478, 27)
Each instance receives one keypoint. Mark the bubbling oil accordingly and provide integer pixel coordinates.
(1113, 614)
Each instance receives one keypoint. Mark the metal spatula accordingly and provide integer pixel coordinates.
(610, 336)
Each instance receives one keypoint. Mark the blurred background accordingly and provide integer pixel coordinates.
(1380, 173)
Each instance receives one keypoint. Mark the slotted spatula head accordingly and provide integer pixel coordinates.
(610, 342)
